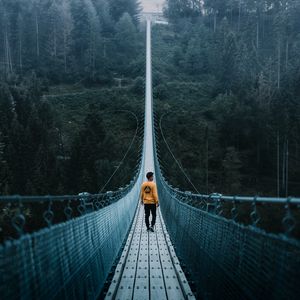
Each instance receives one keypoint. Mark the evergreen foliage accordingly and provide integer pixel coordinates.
(236, 66)
(65, 40)
(28, 140)
(226, 71)
(79, 42)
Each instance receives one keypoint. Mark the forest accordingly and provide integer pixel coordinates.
(62, 68)
(226, 77)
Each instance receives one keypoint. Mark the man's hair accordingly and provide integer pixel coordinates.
(149, 175)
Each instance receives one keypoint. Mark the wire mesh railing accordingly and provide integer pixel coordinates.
(71, 259)
(26, 214)
(227, 259)
(234, 247)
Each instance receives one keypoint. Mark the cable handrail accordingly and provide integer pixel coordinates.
(128, 149)
(229, 198)
(217, 196)
(177, 162)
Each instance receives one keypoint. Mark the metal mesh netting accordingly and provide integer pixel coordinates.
(70, 260)
(228, 260)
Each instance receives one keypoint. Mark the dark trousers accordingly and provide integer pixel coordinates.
(148, 208)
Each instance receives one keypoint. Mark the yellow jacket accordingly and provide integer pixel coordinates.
(149, 193)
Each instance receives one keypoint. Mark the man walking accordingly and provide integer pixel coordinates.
(150, 200)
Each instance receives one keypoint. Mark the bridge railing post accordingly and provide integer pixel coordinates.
(288, 221)
(68, 210)
(19, 220)
(48, 215)
(234, 210)
(255, 218)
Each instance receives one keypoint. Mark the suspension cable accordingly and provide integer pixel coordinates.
(129, 148)
(177, 162)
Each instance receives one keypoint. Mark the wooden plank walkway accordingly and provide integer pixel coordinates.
(148, 267)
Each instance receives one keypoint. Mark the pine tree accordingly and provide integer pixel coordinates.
(7, 108)
(3, 167)
(85, 37)
(119, 7)
(87, 149)
(232, 165)
(183, 8)
(126, 42)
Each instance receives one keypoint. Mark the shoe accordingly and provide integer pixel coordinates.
(148, 229)
(151, 229)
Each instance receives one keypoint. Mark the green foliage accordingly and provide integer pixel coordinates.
(55, 147)
(126, 45)
(183, 8)
(67, 40)
(61, 145)
(29, 144)
(119, 7)
(90, 124)
(232, 176)
(227, 73)
(236, 67)
(85, 152)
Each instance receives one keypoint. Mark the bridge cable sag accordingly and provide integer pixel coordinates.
(177, 162)
(126, 153)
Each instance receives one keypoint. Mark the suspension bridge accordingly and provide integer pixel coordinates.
(106, 252)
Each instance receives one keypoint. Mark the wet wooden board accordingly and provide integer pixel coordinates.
(148, 268)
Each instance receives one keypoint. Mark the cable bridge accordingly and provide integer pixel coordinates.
(106, 252)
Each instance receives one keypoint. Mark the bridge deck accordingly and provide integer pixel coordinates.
(148, 268)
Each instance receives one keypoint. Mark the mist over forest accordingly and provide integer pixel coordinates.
(226, 77)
